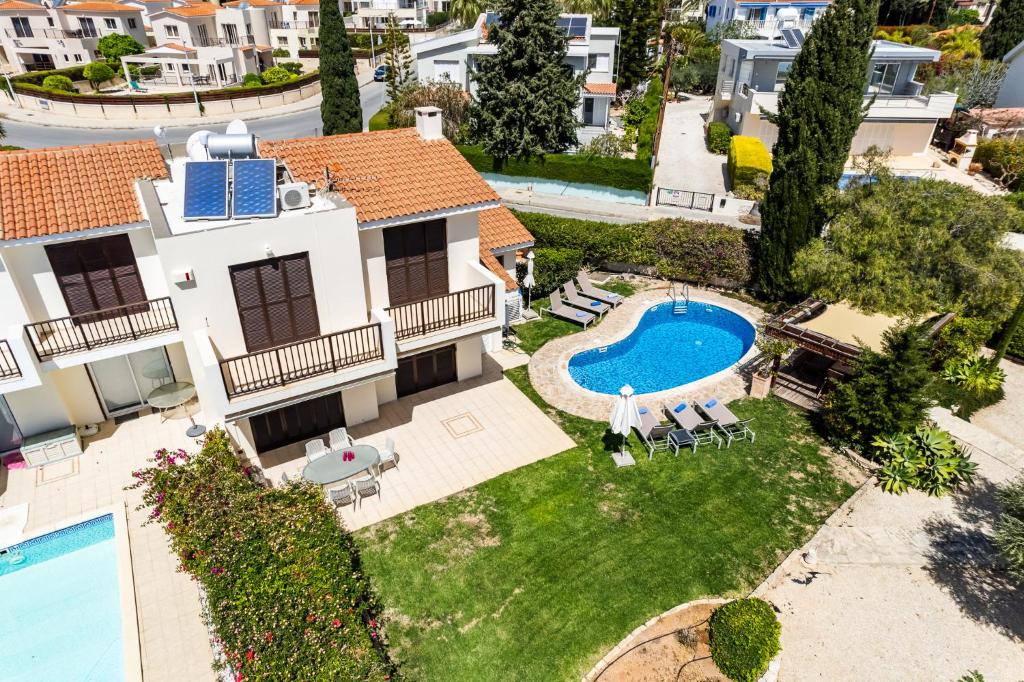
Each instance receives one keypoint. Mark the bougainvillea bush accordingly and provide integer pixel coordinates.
(285, 593)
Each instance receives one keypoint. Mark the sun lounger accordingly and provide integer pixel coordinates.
(588, 289)
(731, 426)
(574, 298)
(653, 433)
(702, 430)
(559, 309)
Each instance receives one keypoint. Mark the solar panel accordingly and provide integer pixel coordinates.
(789, 37)
(206, 190)
(799, 36)
(578, 27)
(254, 193)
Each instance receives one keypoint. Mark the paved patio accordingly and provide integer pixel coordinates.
(448, 438)
(549, 366)
(174, 641)
(684, 161)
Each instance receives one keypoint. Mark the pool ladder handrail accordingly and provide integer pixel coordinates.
(680, 305)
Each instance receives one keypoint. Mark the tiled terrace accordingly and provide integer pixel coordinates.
(448, 439)
(173, 638)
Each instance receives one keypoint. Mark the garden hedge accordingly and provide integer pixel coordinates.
(744, 638)
(381, 120)
(750, 164)
(285, 593)
(630, 174)
(719, 135)
(678, 249)
(1000, 156)
(649, 126)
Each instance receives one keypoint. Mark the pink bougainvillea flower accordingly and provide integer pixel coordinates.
(269, 636)
(336, 623)
(249, 655)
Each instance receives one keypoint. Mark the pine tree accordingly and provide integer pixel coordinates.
(526, 98)
(340, 110)
(638, 23)
(819, 112)
(1005, 31)
(398, 60)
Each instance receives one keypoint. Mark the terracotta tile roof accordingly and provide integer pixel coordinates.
(255, 3)
(492, 264)
(99, 7)
(600, 88)
(66, 189)
(303, 2)
(499, 228)
(203, 9)
(386, 174)
(172, 46)
(16, 5)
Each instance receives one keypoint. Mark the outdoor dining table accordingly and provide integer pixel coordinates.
(340, 464)
(169, 396)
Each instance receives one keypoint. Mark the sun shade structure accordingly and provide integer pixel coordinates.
(625, 417)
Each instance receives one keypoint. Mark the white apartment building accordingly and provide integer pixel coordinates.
(408, 13)
(591, 49)
(292, 299)
(752, 73)
(34, 37)
(294, 25)
(765, 17)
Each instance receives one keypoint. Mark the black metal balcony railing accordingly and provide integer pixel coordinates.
(283, 365)
(76, 34)
(443, 312)
(100, 328)
(8, 363)
(227, 41)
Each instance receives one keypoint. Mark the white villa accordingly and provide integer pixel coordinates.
(293, 301)
(752, 73)
(591, 48)
(765, 16)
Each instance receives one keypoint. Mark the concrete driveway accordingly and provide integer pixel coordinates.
(683, 159)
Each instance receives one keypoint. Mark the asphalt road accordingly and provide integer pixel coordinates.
(299, 124)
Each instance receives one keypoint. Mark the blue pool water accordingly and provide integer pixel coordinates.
(666, 350)
(60, 607)
(567, 189)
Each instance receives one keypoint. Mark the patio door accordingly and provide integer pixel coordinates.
(10, 434)
(297, 423)
(96, 274)
(88, 27)
(417, 261)
(124, 382)
(425, 370)
(588, 111)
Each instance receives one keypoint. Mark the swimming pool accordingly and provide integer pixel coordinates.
(61, 606)
(567, 189)
(666, 350)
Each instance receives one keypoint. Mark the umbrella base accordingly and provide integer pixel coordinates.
(623, 459)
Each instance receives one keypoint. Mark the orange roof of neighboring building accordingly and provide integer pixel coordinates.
(172, 46)
(600, 88)
(386, 174)
(99, 7)
(202, 9)
(303, 2)
(255, 3)
(66, 189)
(499, 228)
(17, 5)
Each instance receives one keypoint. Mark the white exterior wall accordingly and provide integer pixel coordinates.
(1011, 93)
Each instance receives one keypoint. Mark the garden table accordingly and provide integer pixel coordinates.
(340, 464)
(172, 395)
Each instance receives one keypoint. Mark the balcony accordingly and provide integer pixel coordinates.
(274, 23)
(107, 327)
(443, 312)
(8, 363)
(228, 41)
(906, 104)
(276, 367)
(769, 28)
(79, 34)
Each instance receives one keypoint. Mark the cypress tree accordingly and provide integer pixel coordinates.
(340, 110)
(638, 22)
(819, 112)
(1005, 31)
(526, 98)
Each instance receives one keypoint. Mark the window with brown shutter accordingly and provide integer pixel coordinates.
(96, 274)
(417, 261)
(275, 299)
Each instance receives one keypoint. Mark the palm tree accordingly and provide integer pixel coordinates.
(601, 9)
(687, 37)
(961, 45)
(897, 35)
(465, 11)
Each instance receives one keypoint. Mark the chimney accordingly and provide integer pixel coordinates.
(428, 123)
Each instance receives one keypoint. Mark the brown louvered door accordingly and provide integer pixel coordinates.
(296, 423)
(96, 274)
(425, 370)
(417, 261)
(275, 300)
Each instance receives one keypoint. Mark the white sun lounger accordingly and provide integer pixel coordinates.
(582, 302)
(588, 289)
(559, 309)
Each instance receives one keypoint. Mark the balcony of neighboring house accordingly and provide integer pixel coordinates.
(9, 368)
(770, 27)
(312, 26)
(100, 328)
(225, 41)
(26, 38)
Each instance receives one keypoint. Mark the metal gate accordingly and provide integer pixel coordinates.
(700, 201)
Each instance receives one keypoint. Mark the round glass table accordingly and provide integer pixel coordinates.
(172, 395)
(341, 464)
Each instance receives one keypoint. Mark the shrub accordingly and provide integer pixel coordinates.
(294, 68)
(627, 174)
(435, 19)
(284, 590)
(381, 120)
(60, 83)
(113, 46)
(963, 337)
(719, 135)
(649, 125)
(607, 146)
(750, 164)
(97, 72)
(281, 52)
(277, 74)
(1003, 159)
(1009, 526)
(37, 77)
(962, 16)
(744, 638)
(926, 459)
(251, 80)
(975, 374)
(445, 95)
(552, 268)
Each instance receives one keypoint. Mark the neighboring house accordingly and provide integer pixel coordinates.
(386, 277)
(38, 38)
(1011, 92)
(766, 17)
(591, 49)
(295, 26)
(752, 73)
(408, 13)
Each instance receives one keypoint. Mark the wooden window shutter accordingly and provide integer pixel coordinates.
(276, 302)
(96, 274)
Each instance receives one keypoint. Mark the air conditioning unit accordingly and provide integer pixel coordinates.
(293, 195)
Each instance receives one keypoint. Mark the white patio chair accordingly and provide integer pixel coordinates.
(339, 439)
(315, 449)
(342, 495)
(388, 456)
(366, 486)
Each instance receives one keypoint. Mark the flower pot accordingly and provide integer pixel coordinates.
(760, 385)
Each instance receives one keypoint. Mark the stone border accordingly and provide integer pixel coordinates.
(549, 366)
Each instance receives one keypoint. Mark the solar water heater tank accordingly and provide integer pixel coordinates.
(232, 146)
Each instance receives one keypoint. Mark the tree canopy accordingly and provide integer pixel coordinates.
(638, 22)
(116, 45)
(526, 98)
(398, 60)
(341, 109)
(901, 247)
(1005, 31)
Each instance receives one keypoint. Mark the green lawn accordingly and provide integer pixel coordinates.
(533, 335)
(535, 574)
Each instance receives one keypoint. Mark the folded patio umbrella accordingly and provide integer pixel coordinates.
(625, 416)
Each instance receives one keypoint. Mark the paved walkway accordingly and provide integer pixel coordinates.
(684, 161)
(903, 588)
(549, 366)
(607, 211)
(1004, 419)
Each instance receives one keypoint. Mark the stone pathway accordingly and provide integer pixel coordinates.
(549, 366)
